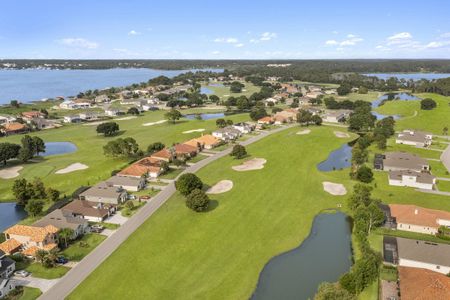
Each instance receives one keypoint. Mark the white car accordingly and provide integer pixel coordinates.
(22, 273)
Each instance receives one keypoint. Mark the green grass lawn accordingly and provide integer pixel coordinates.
(438, 169)
(218, 254)
(223, 92)
(39, 271)
(444, 185)
(30, 293)
(90, 149)
(127, 212)
(370, 96)
(197, 158)
(78, 249)
(431, 120)
(171, 174)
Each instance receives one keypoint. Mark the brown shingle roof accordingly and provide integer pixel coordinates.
(422, 284)
(163, 154)
(181, 149)
(86, 208)
(416, 215)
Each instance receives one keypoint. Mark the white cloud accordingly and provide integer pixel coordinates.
(351, 41)
(350, 36)
(335, 32)
(434, 45)
(331, 42)
(120, 50)
(79, 43)
(399, 38)
(253, 41)
(229, 40)
(215, 52)
(445, 35)
(240, 45)
(267, 36)
(133, 32)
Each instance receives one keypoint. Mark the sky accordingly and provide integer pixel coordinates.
(199, 29)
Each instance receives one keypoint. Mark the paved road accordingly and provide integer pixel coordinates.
(445, 158)
(82, 270)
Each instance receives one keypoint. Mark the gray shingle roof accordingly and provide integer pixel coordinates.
(427, 252)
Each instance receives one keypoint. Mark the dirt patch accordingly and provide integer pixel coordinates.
(303, 132)
(11, 172)
(126, 118)
(335, 189)
(252, 164)
(341, 134)
(72, 168)
(194, 130)
(154, 123)
(220, 187)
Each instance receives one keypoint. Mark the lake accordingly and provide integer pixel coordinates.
(394, 97)
(53, 148)
(324, 256)
(10, 214)
(36, 84)
(408, 76)
(205, 116)
(338, 159)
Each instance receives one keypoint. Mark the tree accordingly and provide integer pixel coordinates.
(258, 113)
(20, 191)
(129, 205)
(38, 189)
(344, 89)
(427, 104)
(38, 145)
(221, 123)
(34, 207)
(121, 147)
(238, 152)
(133, 111)
(14, 103)
(53, 194)
(173, 115)
(27, 150)
(8, 151)
(236, 87)
(214, 98)
(332, 291)
(40, 254)
(359, 155)
(276, 109)
(304, 117)
(65, 235)
(361, 196)
(108, 128)
(317, 120)
(363, 90)
(242, 103)
(155, 147)
(187, 183)
(445, 130)
(164, 166)
(364, 174)
(381, 141)
(197, 200)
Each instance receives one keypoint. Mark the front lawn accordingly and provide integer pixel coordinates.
(179, 254)
(171, 174)
(39, 271)
(78, 249)
(24, 293)
(197, 158)
(128, 212)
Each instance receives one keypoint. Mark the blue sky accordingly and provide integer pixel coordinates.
(224, 30)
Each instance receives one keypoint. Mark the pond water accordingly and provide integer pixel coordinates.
(396, 97)
(205, 116)
(338, 159)
(10, 214)
(205, 90)
(324, 256)
(53, 148)
(408, 76)
(35, 84)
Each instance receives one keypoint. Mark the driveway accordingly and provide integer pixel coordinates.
(117, 218)
(40, 283)
(445, 158)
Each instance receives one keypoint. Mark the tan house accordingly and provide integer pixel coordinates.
(418, 219)
(32, 238)
(91, 211)
(148, 166)
(285, 116)
(164, 154)
(206, 141)
(104, 192)
(184, 151)
(14, 128)
(266, 120)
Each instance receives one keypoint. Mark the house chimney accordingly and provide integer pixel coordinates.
(416, 211)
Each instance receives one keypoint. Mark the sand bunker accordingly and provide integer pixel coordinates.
(11, 172)
(126, 118)
(252, 164)
(194, 130)
(154, 123)
(335, 189)
(220, 187)
(303, 132)
(341, 134)
(72, 168)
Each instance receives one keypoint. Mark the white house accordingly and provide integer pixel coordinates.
(414, 138)
(413, 179)
(335, 116)
(102, 99)
(243, 127)
(6, 286)
(89, 116)
(6, 119)
(227, 133)
(270, 100)
(72, 119)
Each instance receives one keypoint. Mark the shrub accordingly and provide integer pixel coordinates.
(197, 200)
(364, 174)
(427, 104)
(187, 183)
(238, 151)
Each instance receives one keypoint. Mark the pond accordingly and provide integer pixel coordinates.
(205, 116)
(391, 97)
(408, 76)
(324, 256)
(205, 90)
(338, 159)
(10, 214)
(53, 148)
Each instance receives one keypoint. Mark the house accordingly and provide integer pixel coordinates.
(91, 211)
(206, 141)
(75, 104)
(414, 138)
(63, 219)
(7, 119)
(14, 128)
(266, 120)
(29, 115)
(243, 127)
(314, 111)
(40, 123)
(146, 167)
(398, 161)
(164, 154)
(419, 283)
(336, 116)
(133, 101)
(89, 116)
(184, 151)
(102, 99)
(422, 254)
(113, 112)
(226, 134)
(72, 119)
(418, 219)
(105, 193)
(129, 183)
(285, 116)
(31, 238)
(420, 180)
(7, 267)
(270, 101)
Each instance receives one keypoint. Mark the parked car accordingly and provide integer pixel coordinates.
(22, 273)
(62, 260)
(97, 228)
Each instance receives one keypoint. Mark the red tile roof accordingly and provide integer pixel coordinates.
(416, 215)
(142, 167)
(422, 284)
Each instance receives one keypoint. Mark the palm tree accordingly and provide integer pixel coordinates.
(40, 255)
(65, 235)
